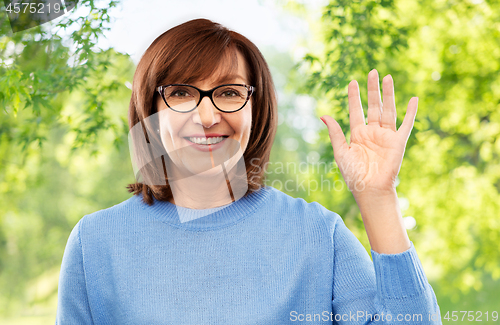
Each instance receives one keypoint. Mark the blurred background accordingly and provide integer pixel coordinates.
(65, 89)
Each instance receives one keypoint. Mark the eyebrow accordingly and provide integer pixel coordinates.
(231, 77)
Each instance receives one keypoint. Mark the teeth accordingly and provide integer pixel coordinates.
(211, 140)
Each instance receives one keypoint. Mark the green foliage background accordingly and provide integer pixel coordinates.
(64, 152)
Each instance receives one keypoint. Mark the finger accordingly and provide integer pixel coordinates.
(409, 120)
(389, 105)
(374, 102)
(337, 137)
(356, 115)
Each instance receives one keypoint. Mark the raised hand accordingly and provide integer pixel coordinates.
(372, 160)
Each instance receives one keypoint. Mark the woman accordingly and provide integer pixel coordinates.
(202, 241)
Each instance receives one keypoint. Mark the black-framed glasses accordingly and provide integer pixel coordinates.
(227, 98)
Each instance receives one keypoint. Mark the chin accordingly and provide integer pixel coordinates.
(213, 172)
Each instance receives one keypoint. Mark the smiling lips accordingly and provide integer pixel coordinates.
(206, 139)
(206, 143)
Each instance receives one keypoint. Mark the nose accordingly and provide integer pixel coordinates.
(206, 113)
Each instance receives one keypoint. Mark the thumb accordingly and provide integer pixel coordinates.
(336, 135)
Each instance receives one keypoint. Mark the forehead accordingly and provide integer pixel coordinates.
(228, 67)
(232, 67)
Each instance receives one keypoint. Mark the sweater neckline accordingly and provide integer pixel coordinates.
(206, 219)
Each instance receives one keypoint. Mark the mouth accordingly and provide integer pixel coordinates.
(205, 141)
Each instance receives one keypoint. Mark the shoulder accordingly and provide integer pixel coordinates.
(300, 209)
(112, 218)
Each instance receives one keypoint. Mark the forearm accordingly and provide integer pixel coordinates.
(383, 222)
(392, 284)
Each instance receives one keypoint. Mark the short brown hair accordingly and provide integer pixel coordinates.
(193, 51)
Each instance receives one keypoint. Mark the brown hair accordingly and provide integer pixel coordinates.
(193, 51)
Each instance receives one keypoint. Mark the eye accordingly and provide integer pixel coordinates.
(179, 93)
(230, 93)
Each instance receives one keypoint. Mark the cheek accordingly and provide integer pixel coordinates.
(170, 126)
(246, 122)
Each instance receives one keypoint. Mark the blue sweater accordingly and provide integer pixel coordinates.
(267, 258)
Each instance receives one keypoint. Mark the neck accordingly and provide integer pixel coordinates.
(212, 189)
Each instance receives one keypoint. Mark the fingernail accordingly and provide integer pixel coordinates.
(321, 118)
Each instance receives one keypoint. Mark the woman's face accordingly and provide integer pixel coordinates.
(206, 121)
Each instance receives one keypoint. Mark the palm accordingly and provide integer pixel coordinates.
(373, 158)
(371, 152)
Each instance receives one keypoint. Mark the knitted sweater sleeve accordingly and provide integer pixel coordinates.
(73, 305)
(393, 289)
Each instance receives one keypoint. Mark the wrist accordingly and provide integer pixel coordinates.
(383, 221)
(376, 195)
